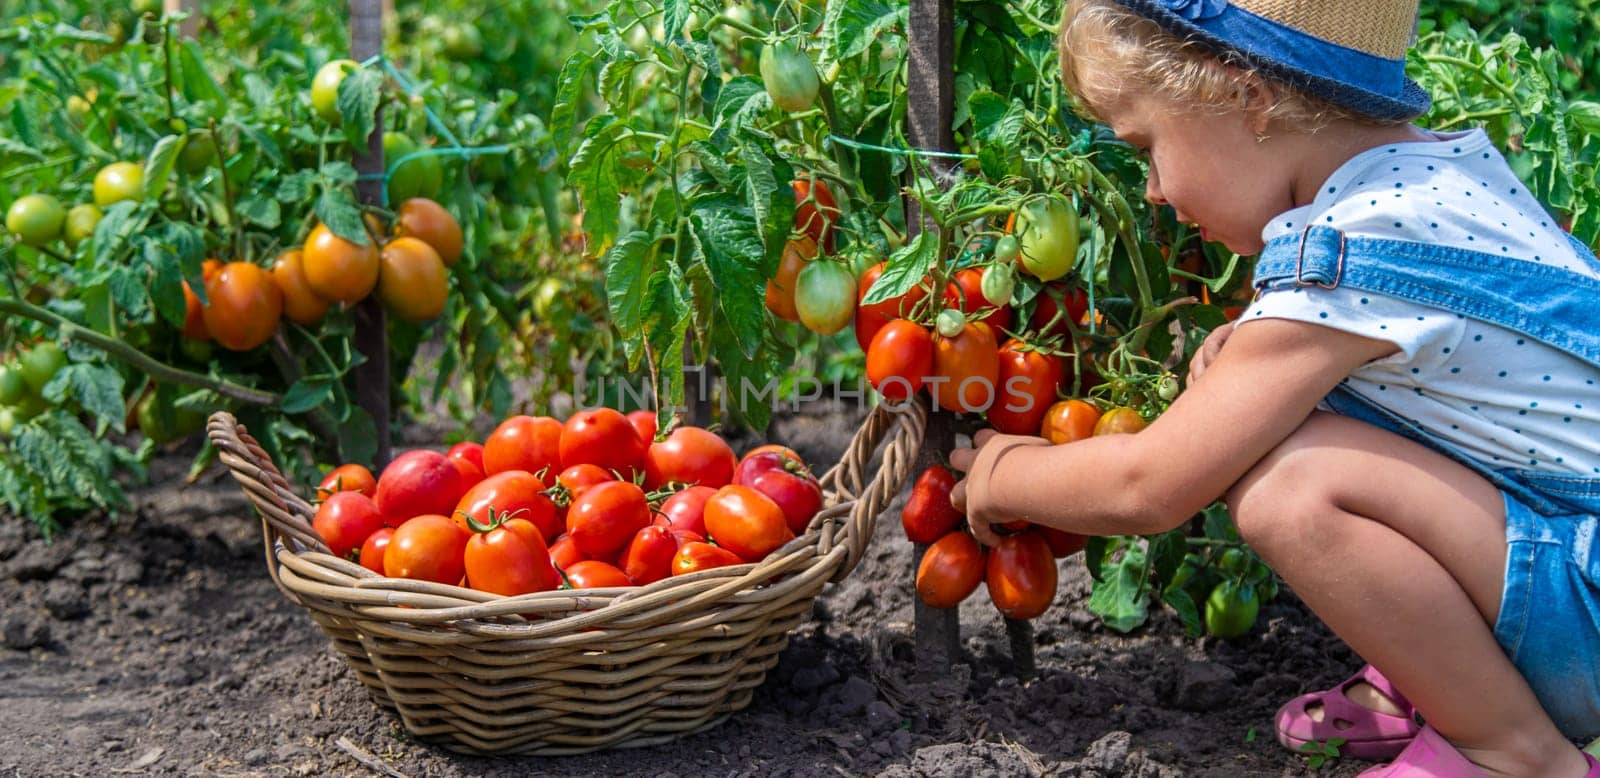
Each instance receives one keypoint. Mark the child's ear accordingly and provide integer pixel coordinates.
(1257, 97)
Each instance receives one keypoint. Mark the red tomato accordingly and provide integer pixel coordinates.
(417, 483)
(871, 318)
(1068, 421)
(427, 548)
(746, 522)
(950, 570)
(470, 453)
(602, 436)
(524, 443)
(1119, 421)
(783, 478)
(509, 560)
(965, 293)
(753, 463)
(900, 359)
(345, 520)
(967, 370)
(606, 516)
(1045, 312)
(694, 556)
(372, 550)
(514, 493)
(348, 478)
(1022, 575)
(644, 422)
(686, 510)
(580, 477)
(1027, 389)
(564, 553)
(594, 574)
(648, 557)
(689, 455)
(682, 536)
(928, 514)
(816, 212)
(1063, 543)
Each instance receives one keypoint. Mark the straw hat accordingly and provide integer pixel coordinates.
(1350, 53)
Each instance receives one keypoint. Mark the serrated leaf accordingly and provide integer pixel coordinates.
(158, 166)
(295, 186)
(569, 95)
(1120, 599)
(261, 211)
(306, 394)
(337, 209)
(848, 29)
(627, 268)
(675, 13)
(9, 146)
(771, 198)
(95, 387)
(593, 172)
(727, 239)
(197, 83)
(906, 268)
(1188, 613)
(358, 104)
(129, 289)
(741, 102)
(121, 221)
(1585, 114)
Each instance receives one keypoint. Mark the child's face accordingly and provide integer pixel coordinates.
(1209, 167)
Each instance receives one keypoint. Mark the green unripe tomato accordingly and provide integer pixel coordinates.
(36, 219)
(1047, 235)
(1231, 609)
(40, 364)
(790, 77)
(825, 296)
(198, 151)
(118, 181)
(1167, 387)
(1006, 249)
(999, 281)
(8, 421)
(950, 322)
(81, 221)
(462, 41)
(325, 88)
(415, 177)
(547, 296)
(12, 387)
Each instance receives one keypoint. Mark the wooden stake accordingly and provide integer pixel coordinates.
(372, 335)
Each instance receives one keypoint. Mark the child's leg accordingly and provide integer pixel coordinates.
(1402, 552)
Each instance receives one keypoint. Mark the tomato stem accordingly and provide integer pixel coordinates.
(743, 27)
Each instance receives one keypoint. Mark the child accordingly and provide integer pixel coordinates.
(1404, 422)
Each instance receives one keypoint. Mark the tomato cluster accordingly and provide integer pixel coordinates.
(1020, 572)
(599, 500)
(22, 382)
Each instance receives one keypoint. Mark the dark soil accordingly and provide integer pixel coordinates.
(158, 645)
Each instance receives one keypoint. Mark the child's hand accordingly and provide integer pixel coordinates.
(972, 494)
(1208, 351)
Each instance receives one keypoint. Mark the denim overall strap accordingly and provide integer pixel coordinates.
(1544, 302)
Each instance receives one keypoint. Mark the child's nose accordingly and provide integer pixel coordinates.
(1152, 189)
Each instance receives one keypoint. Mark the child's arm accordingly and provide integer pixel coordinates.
(1256, 392)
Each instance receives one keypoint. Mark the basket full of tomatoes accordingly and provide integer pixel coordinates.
(571, 586)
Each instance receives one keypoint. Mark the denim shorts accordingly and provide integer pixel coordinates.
(1549, 622)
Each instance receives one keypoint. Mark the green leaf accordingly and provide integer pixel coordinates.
(906, 268)
(1120, 600)
(129, 289)
(9, 147)
(259, 210)
(197, 84)
(358, 437)
(122, 221)
(74, 467)
(1585, 114)
(741, 103)
(666, 323)
(1219, 524)
(628, 267)
(726, 236)
(569, 96)
(850, 28)
(749, 384)
(158, 167)
(307, 394)
(337, 209)
(358, 104)
(994, 119)
(593, 171)
(296, 186)
(97, 388)
(771, 199)
(1188, 613)
(676, 13)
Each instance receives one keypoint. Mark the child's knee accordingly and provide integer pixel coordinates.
(1289, 487)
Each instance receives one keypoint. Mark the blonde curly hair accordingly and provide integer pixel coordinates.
(1108, 51)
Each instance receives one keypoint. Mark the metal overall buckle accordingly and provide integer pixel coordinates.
(1300, 258)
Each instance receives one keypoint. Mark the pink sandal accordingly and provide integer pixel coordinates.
(1431, 756)
(1368, 734)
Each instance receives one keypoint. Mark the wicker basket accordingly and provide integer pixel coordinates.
(566, 672)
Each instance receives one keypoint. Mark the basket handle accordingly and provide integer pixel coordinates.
(899, 430)
(284, 514)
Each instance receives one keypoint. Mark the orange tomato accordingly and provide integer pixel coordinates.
(968, 366)
(1021, 575)
(950, 571)
(509, 560)
(694, 556)
(428, 221)
(427, 548)
(348, 478)
(594, 574)
(412, 283)
(1119, 421)
(300, 304)
(531, 443)
(1068, 421)
(243, 306)
(746, 522)
(780, 289)
(338, 270)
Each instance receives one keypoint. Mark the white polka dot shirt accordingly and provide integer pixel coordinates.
(1502, 398)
